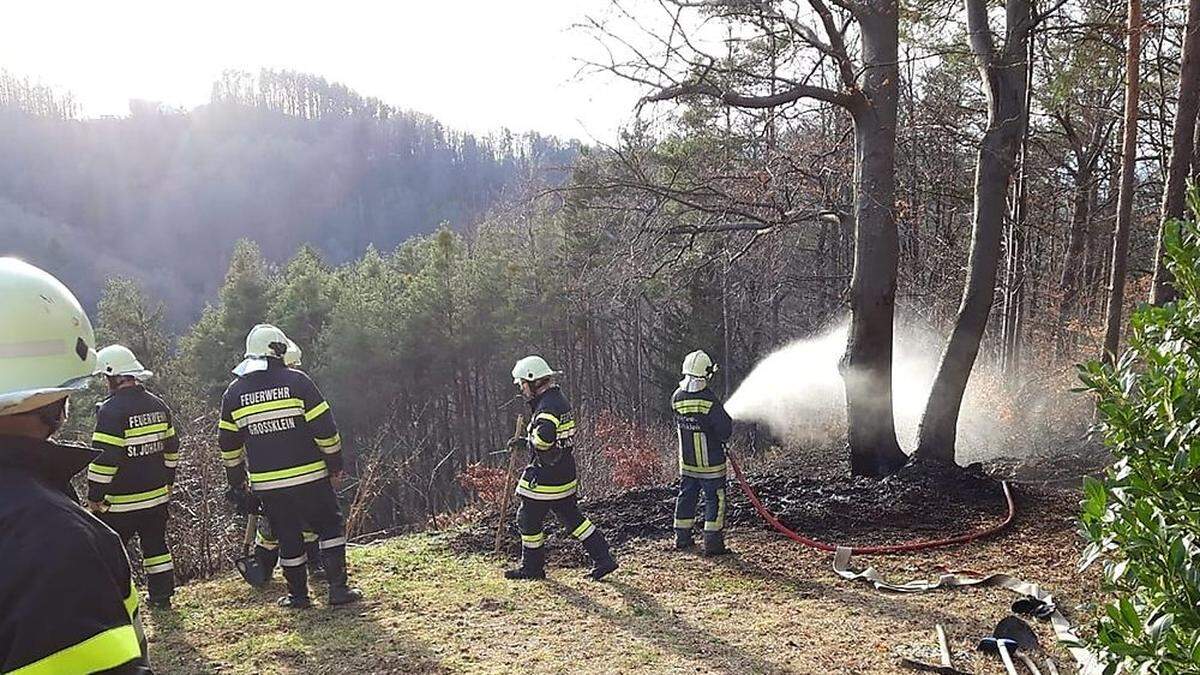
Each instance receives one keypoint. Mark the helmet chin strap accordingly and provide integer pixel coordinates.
(54, 415)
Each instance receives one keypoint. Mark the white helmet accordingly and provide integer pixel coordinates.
(532, 369)
(262, 342)
(293, 355)
(46, 341)
(116, 360)
(698, 364)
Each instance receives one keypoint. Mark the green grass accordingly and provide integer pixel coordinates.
(774, 608)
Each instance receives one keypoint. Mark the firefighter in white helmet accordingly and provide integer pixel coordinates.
(550, 482)
(704, 427)
(129, 484)
(277, 429)
(266, 546)
(68, 599)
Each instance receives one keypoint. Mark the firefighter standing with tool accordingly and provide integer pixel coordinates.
(276, 427)
(550, 483)
(704, 427)
(129, 484)
(266, 546)
(67, 602)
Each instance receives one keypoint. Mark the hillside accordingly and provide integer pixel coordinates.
(772, 608)
(282, 158)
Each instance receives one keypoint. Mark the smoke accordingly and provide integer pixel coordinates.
(797, 393)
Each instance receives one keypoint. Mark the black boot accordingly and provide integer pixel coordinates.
(267, 558)
(316, 570)
(161, 587)
(714, 544)
(343, 595)
(683, 539)
(297, 581)
(340, 592)
(603, 562)
(533, 565)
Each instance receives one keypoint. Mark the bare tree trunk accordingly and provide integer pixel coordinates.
(1181, 148)
(867, 364)
(1004, 76)
(1074, 264)
(1120, 252)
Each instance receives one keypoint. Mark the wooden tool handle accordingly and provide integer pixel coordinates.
(502, 518)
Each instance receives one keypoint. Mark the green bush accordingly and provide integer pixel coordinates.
(1143, 520)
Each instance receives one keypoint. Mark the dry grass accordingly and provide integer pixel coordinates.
(773, 608)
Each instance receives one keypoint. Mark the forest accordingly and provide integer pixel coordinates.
(986, 185)
(283, 158)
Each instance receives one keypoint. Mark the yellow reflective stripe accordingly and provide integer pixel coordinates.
(703, 469)
(698, 446)
(582, 528)
(318, 465)
(232, 454)
(329, 442)
(533, 537)
(548, 489)
(106, 438)
(539, 442)
(566, 426)
(547, 416)
(131, 600)
(265, 407)
(170, 456)
(692, 406)
(149, 429)
(102, 469)
(227, 426)
(137, 496)
(157, 560)
(103, 651)
(316, 412)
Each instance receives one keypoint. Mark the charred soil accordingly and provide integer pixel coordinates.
(824, 503)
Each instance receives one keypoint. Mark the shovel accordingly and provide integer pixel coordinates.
(248, 565)
(1012, 636)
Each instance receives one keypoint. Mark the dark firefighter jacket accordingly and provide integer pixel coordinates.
(276, 425)
(703, 427)
(67, 602)
(138, 452)
(551, 471)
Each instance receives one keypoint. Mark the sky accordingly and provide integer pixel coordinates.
(476, 65)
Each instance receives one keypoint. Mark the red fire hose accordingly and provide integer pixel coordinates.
(891, 548)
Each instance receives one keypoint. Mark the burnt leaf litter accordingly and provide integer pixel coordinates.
(821, 502)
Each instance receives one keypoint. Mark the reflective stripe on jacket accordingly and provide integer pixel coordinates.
(551, 471)
(276, 427)
(139, 451)
(703, 427)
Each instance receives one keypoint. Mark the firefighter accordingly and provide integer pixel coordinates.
(549, 483)
(129, 484)
(704, 427)
(276, 427)
(266, 546)
(67, 602)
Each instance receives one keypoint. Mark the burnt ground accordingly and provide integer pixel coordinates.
(824, 503)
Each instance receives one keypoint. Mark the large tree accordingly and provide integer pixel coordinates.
(1003, 70)
(1125, 194)
(1182, 140)
(865, 86)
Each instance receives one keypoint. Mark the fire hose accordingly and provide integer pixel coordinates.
(904, 547)
(1062, 628)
